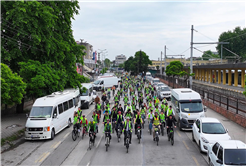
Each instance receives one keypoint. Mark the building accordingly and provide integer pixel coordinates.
(119, 59)
(88, 49)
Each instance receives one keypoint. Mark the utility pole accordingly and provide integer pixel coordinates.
(191, 56)
(161, 64)
(139, 61)
(221, 53)
(165, 58)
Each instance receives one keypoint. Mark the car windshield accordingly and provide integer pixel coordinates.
(160, 84)
(85, 93)
(156, 80)
(96, 82)
(213, 128)
(193, 106)
(164, 89)
(235, 156)
(41, 112)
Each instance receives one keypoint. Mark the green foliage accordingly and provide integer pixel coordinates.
(237, 39)
(37, 38)
(175, 68)
(104, 70)
(121, 65)
(209, 55)
(12, 86)
(107, 62)
(137, 64)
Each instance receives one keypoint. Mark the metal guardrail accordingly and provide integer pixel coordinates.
(235, 105)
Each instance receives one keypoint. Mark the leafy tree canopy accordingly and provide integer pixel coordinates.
(107, 62)
(12, 86)
(209, 55)
(237, 39)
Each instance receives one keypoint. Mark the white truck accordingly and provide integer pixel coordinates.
(106, 82)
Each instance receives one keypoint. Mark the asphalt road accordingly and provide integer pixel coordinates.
(64, 151)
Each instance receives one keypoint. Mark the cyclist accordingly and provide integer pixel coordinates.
(108, 93)
(134, 108)
(140, 101)
(114, 115)
(113, 88)
(84, 121)
(108, 128)
(128, 107)
(106, 116)
(116, 99)
(169, 111)
(127, 127)
(163, 106)
(119, 121)
(162, 117)
(96, 119)
(157, 110)
(128, 114)
(120, 108)
(76, 121)
(92, 127)
(164, 100)
(79, 112)
(138, 121)
(156, 123)
(170, 123)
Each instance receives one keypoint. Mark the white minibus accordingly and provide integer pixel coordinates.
(187, 107)
(51, 114)
(86, 97)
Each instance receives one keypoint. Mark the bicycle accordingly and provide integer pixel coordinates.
(92, 139)
(171, 135)
(143, 118)
(127, 140)
(162, 127)
(157, 135)
(139, 132)
(75, 132)
(107, 142)
(84, 132)
(119, 132)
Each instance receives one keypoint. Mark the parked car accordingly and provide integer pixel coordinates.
(207, 131)
(155, 80)
(230, 152)
(164, 91)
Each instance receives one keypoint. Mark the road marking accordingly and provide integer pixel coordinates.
(53, 144)
(178, 133)
(47, 154)
(88, 164)
(65, 135)
(57, 144)
(40, 157)
(186, 145)
(195, 161)
(99, 141)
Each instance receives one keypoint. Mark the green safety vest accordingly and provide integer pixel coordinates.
(106, 117)
(95, 117)
(156, 121)
(108, 127)
(162, 106)
(98, 106)
(130, 126)
(120, 117)
(75, 119)
(116, 98)
(170, 112)
(128, 115)
(83, 120)
(162, 116)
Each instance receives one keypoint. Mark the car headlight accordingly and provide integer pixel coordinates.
(202, 115)
(184, 116)
(204, 140)
(47, 128)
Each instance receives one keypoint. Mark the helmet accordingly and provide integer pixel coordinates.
(128, 103)
(119, 112)
(127, 118)
(92, 119)
(156, 112)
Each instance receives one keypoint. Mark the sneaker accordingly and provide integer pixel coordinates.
(130, 142)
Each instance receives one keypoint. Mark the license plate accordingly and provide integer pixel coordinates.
(34, 136)
(191, 125)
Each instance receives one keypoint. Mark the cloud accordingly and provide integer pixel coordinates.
(126, 27)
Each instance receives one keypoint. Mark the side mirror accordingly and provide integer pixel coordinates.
(26, 115)
(199, 130)
(227, 130)
(54, 116)
(205, 109)
(219, 161)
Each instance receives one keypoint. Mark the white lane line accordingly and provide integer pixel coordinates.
(66, 135)
(99, 141)
(88, 164)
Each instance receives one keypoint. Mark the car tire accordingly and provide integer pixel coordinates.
(193, 139)
(87, 106)
(180, 129)
(210, 162)
(69, 123)
(52, 134)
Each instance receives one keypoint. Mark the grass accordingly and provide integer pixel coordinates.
(13, 137)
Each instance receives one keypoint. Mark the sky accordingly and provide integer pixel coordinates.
(125, 27)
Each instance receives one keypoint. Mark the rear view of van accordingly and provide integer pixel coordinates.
(86, 97)
(187, 106)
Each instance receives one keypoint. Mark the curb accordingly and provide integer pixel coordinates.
(9, 145)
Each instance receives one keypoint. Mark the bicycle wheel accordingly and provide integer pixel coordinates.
(90, 144)
(83, 135)
(74, 135)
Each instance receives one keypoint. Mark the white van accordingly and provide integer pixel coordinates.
(187, 107)
(106, 82)
(148, 74)
(51, 114)
(155, 80)
(86, 98)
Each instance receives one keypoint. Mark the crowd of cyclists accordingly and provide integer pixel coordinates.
(140, 104)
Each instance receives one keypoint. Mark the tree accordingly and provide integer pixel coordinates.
(209, 55)
(107, 62)
(41, 31)
(176, 69)
(157, 67)
(237, 43)
(121, 65)
(12, 86)
(137, 64)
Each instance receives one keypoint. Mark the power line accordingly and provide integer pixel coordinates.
(235, 37)
(185, 50)
(204, 35)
